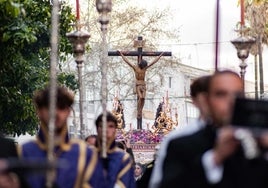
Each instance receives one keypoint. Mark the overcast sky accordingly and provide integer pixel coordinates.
(197, 22)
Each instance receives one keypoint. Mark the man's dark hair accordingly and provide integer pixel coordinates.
(65, 98)
(91, 136)
(110, 117)
(199, 85)
(121, 145)
(141, 166)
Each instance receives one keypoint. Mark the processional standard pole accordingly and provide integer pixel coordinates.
(104, 7)
(217, 35)
(78, 39)
(50, 176)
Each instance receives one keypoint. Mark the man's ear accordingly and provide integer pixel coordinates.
(194, 99)
(204, 97)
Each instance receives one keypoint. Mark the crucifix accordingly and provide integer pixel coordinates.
(139, 70)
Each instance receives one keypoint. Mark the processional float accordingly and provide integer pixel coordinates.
(139, 44)
(144, 141)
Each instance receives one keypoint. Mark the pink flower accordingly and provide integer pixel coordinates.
(144, 136)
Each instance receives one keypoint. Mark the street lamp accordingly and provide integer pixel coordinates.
(243, 45)
(104, 7)
(78, 39)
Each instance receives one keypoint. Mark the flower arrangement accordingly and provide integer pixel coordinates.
(164, 123)
(140, 136)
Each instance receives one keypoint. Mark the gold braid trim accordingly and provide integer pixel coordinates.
(90, 167)
(19, 150)
(126, 168)
(81, 163)
(126, 157)
(65, 146)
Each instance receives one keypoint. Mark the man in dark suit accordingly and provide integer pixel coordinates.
(8, 150)
(198, 91)
(212, 156)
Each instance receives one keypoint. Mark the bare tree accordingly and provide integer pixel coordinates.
(126, 23)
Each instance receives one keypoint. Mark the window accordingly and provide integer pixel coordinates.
(169, 82)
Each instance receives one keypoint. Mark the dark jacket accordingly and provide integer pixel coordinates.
(9, 151)
(8, 148)
(143, 182)
(183, 168)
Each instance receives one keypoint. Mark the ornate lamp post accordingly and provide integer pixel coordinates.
(78, 39)
(104, 7)
(243, 45)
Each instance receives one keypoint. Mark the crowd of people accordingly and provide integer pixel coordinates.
(206, 153)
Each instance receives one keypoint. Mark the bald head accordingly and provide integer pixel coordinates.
(224, 87)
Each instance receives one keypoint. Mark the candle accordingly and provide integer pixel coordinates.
(77, 10)
(242, 12)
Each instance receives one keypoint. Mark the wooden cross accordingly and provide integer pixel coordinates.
(139, 72)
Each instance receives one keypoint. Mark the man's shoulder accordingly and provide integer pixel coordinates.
(119, 152)
(82, 146)
(182, 133)
(185, 139)
(120, 156)
(29, 144)
(30, 148)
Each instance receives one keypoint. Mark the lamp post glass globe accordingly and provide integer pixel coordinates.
(104, 6)
(243, 46)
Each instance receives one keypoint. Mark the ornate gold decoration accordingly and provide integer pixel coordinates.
(118, 112)
(165, 121)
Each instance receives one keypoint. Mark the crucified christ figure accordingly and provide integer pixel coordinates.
(140, 71)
